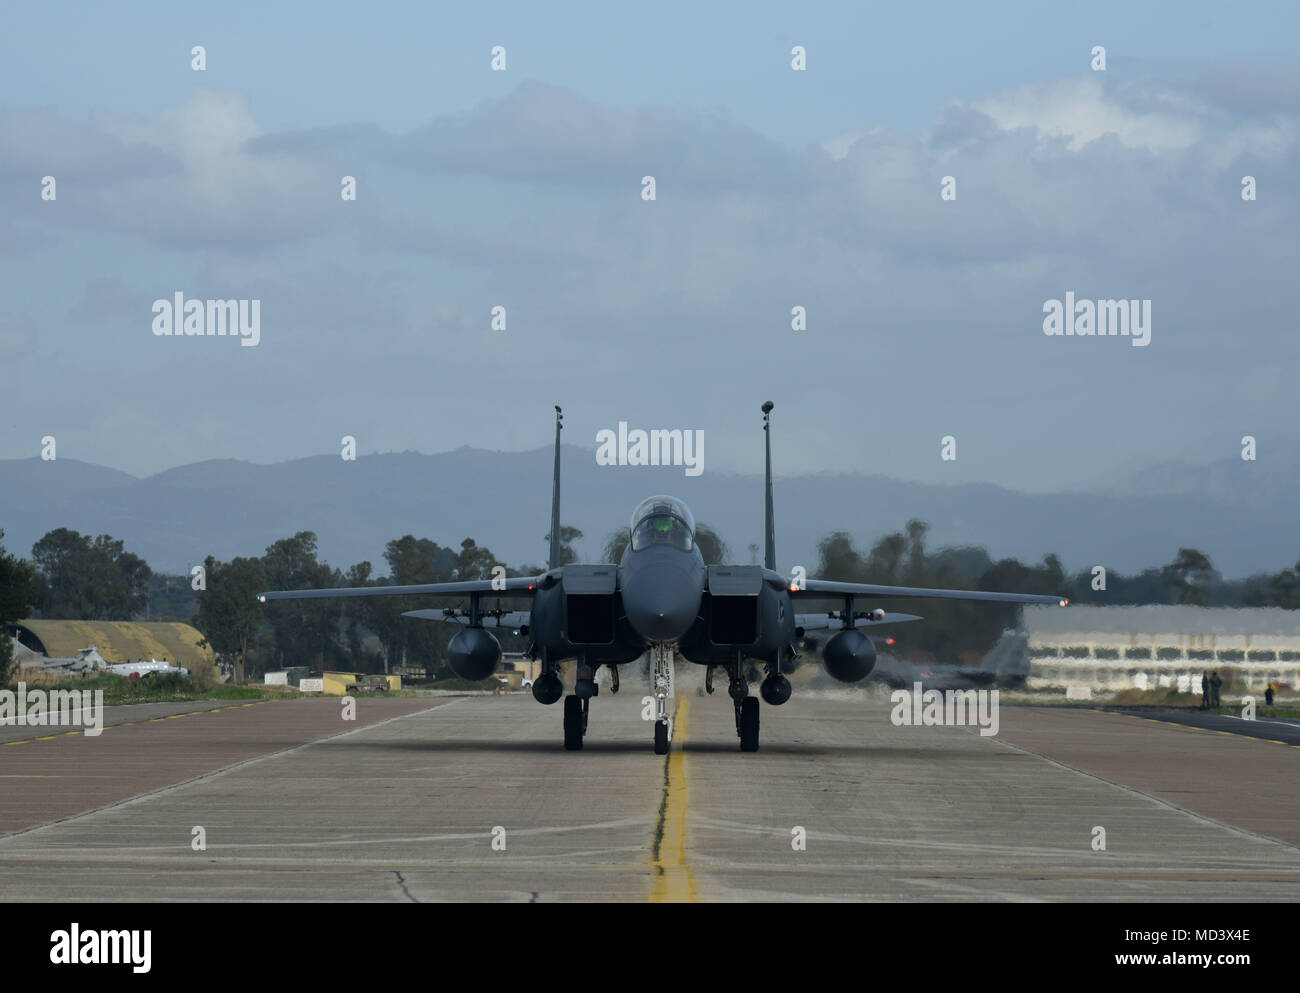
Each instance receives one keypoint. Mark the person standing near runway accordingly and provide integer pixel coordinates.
(1215, 683)
(1205, 691)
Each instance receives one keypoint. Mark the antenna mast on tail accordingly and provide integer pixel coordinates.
(555, 495)
(769, 553)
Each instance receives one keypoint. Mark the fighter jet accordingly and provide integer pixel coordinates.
(661, 600)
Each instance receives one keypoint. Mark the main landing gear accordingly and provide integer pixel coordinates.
(747, 724)
(746, 708)
(775, 690)
(577, 706)
(575, 721)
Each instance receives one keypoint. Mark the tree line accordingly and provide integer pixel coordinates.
(77, 577)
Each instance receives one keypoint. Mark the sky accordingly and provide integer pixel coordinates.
(774, 189)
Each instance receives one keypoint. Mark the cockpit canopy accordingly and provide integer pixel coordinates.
(663, 520)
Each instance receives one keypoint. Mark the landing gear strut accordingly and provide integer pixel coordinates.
(585, 683)
(746, 707)
(661, 682)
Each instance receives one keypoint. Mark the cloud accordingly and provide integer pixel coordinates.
(36, 143)
(1082, 111)
(183, 180)
(540, 133)
(922, 312)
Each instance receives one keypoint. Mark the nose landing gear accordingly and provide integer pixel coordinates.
(661, 681)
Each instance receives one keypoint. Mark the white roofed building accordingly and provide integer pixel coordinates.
(1150, 647)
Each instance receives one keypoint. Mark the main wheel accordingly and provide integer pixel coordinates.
(749, 724)
(572, 723)
(661, 738)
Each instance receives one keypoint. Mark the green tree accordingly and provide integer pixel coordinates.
(475, 561)
(360, 615)
(838, 559)
(568, 535)
(885, 562)
(90, 580)
(954, 630)
(712, 548)
(229, 615)
(305, 632)
(172, 598)
(20, 591)
(1280, 589)
(917, 570)
(411, 561)
(1189, 576)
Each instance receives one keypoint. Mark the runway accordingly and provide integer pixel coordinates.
(1283, 730)
(838, 804)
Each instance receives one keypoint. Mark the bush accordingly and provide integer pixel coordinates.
(1166, 696)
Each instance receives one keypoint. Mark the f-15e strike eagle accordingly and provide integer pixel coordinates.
(662, 599)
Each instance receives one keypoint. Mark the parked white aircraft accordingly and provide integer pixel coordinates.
(143, 669)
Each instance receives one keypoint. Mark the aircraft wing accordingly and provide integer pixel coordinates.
(823, 588)
(824, 622)
(510, 619)
(514, 586)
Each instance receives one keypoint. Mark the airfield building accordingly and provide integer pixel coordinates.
(1152, 647)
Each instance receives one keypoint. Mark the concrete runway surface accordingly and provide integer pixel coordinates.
(296, 804)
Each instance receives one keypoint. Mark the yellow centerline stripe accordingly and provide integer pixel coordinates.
(127, 724)
(676, 882)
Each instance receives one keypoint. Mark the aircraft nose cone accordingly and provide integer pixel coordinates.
(661, 602)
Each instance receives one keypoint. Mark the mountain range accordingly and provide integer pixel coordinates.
(1242, 514)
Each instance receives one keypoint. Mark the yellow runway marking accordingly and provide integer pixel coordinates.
(676, 882)
(128, 724)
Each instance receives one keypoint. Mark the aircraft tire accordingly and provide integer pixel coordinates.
(749, 724)
(572, 723)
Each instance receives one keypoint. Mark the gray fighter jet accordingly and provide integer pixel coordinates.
(662, 600)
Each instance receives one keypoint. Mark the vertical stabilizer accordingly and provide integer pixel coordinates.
(555, 495)
(769, 523)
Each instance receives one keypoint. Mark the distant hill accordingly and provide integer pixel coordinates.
(1243, 518)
